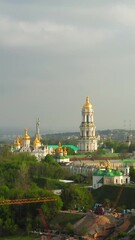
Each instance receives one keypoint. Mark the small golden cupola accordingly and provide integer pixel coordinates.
(18, 142)
(37, 142)
(87, 104)
(26, 139)
(65, 151)
(26, 136)
(108, 165)
(59, 150)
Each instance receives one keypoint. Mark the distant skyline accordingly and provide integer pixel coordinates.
(54, 53)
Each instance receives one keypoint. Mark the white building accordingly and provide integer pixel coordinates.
(109, 176)
(23, 144)
(88, 139)
(60, 154)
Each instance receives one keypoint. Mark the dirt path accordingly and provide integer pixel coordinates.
(125, 225)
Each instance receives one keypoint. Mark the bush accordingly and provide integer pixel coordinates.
(84, 231)
(69, 228)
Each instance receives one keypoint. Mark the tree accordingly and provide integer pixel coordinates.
(132, 173)
(132, 147)
(70, 151)
(23, 177)
(75, 197)
(7, 223)
(98, 153)
(50, 209)
(49, 159)
(5, 151)
(122, 148)
(69, 228)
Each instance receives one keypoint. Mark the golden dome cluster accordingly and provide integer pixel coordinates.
(60, 150)
(20, 141)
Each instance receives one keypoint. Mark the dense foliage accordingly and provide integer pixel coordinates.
(132, 173)
(118, 146)
(110, 194)
(19, 174)
(76, 197)
(22, 176)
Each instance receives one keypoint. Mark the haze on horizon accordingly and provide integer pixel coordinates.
(55, 53)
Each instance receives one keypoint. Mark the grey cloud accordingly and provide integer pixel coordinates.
(55, 53)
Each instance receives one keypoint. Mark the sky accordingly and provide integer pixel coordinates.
(54, 53)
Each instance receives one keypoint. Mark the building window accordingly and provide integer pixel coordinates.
(107, 181)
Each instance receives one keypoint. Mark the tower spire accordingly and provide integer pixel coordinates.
(38, 129)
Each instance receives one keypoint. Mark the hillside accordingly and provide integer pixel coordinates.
(111, 192)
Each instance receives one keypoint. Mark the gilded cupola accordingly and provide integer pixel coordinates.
(65, 151)
(37, 142)
(59, 149)
(87, 104)
(26, 136)
(18, 141)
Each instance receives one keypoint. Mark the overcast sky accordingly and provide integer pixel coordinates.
(54, 53)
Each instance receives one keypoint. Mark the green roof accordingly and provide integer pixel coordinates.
(128, 160)
(53, 146)
(110, 173)
(98, 172)
(64, 145)
(118, 172)
(70, 146)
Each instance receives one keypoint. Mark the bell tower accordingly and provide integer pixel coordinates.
(88, 140)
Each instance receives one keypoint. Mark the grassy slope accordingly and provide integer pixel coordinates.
(64, 218)
(111, 192)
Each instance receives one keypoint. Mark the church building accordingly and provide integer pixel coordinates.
(109, 176)
(88, 139)
(23, 144)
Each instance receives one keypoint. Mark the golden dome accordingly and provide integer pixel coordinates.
(87, 105)
(59, 149)
(18, 141)
(37, 141)
(65, 150)
(108, 164)
(59, 144)
(26, 136)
